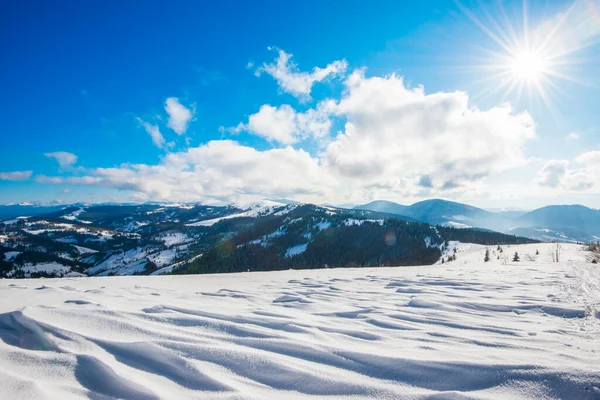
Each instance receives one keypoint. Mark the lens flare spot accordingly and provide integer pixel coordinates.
(390, 238)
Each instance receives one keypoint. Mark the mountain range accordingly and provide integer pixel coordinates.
(569, 223)
(108, 239)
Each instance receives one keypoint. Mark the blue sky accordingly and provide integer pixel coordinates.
(86, 83)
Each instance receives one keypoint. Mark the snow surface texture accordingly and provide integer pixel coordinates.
(465, 329)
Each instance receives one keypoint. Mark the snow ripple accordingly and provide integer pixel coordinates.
(462, 331)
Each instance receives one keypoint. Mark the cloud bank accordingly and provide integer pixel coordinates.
(578, 175)
(390, 141)
(15, 175)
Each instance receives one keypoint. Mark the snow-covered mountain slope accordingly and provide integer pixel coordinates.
(468, 329)
(147, 239)
(114, 239)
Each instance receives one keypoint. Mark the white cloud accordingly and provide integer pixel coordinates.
(220, 170)
(552, 173)
(154, 132)
(286, 126)
(572, 136)
(295, 82)
(64, 159)
(179, 115)
(392, 131)
(15, 176)
(590, 159)
(396, 142)
(49, 179)
(578, 175)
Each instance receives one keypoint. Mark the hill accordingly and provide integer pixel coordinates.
(160, 238)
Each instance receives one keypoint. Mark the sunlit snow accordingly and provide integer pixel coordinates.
(465, 329)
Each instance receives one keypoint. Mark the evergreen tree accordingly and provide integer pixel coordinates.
(487, 255)
(516, 257)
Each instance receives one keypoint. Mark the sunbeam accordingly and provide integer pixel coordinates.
(534, 61)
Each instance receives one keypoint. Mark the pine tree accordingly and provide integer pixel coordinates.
(516, 257)
(487, 255)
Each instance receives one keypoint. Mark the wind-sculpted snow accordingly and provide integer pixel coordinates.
(463, 330)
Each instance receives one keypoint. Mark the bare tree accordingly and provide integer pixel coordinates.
(556, 249)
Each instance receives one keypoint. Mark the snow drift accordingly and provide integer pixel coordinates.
(466, 329)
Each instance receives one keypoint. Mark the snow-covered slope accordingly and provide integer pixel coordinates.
(148, 239)
(465, 329)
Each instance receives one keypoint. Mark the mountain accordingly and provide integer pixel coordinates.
(384, 206)
(567, 222)
(441, 212)
(178, 238)
(559, 222)
(510, 214)
(10, 211)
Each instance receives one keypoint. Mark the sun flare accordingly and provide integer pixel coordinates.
(528, 66)
(534, 60)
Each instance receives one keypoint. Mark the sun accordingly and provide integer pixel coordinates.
(528, 66)
(534, 62)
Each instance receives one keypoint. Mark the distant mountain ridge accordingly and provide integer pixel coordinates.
(556, 222)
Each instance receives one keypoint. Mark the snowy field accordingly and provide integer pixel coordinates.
(464, 329)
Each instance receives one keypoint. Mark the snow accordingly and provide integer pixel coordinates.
(323, 225)
(73, 216)
(14, 221)
(163, 257)
(180, 205)
(353, 221)
(467, 329)
(458, 225)
(130, 261)
(173, 238)
(211, 222)
(459, 217)
(50, 267)
(134, 225)
(84, 250)
(252, 210)
(62, 227)
(11, 255)
(133, 261)
(170, 268)
(73, 274)
(295, 250)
